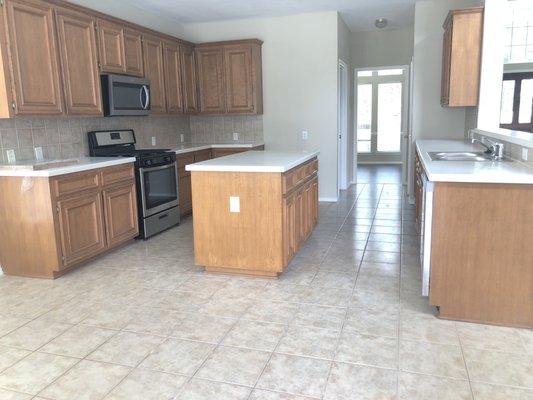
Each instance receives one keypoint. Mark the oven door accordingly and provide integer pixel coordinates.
(159, 188)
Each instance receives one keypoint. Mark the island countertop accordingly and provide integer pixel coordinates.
(254, 161)
(470, 171)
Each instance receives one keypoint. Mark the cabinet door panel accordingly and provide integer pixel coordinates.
(172, 65)
(34, 57)
(133, 53)
(111, 47)
(120, 205)
(153, 69)
(185, 195)
(81, 227)
(211, 80)
(238, 73)
(188, 76)
(77, 45)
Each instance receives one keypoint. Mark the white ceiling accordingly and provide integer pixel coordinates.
(359, 15)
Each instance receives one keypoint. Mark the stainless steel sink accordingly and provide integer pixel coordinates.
(463, 156)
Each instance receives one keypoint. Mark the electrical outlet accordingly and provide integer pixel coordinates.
(182, 137)
(153, 141)
(305, 135)
(525, 152)
(234, 204)
(235, 136)
(11, 156)
(39, 154)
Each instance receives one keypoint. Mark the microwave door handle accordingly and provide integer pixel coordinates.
(144, 89)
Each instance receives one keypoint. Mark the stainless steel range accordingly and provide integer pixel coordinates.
(156, 173)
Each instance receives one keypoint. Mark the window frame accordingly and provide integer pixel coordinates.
(517, 77)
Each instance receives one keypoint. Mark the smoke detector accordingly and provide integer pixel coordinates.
(381, 23)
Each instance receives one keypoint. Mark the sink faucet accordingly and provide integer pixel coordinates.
(493, 148)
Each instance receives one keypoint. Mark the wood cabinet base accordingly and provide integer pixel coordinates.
(48, 226)
(243, 272)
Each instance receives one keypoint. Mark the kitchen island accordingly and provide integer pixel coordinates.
(253, 210)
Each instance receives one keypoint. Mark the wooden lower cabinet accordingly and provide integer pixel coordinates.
(120, 205)
(53, 224)
(81, 226)
(185, 195)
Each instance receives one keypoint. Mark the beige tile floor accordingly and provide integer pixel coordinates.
(346, 321)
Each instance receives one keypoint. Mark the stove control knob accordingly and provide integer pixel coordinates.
(148, 162)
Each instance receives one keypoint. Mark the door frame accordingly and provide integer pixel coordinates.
(342, 126)
(406, 123)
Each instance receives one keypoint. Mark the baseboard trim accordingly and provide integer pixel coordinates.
(328, 199)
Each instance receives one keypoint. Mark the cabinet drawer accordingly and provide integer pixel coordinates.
(298, 175)
(76, 182)
(117, 174)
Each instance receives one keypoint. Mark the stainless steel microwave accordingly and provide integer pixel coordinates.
(125, 95)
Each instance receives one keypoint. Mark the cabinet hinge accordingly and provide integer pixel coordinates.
(57, 209)
(13, 104)
(99, 65)
(62, 258)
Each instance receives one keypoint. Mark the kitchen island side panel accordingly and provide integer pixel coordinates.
(250, 240)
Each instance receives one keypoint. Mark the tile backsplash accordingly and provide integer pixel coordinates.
(64, 137)
(220, 129)
(510, 150)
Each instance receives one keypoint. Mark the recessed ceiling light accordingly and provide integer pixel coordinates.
(381, 23)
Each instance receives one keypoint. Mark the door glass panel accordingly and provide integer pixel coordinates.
(160, 186)
(364, 73)
(389, 117)
(363, 146)
(364, 116)
(388, 72)
(526, 101)
(506, 116)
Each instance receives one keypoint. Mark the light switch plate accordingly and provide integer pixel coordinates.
(305, 135)
(182, 137)
(524, 153)
(11, 156)
(234, 204)
(153, 141)
(39, 154)
(235, 136)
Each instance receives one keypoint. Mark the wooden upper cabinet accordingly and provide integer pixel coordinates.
(79, 63)
(172, 67)
(111, 47)
(133, 53)
(211, 80)
(461, 57)
(153, 69)
(33, 59)
(189, 81)
(239, 86)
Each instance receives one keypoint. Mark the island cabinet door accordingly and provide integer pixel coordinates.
(120, 206)
(81, 227)
(289, 228)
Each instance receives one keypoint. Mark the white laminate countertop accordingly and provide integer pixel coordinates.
(254, 161)
(26, 168)
(470, 171)
(190, 147)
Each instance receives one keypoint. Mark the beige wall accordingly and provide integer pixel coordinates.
(382, 48)
(299, 80)
(67, 137)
